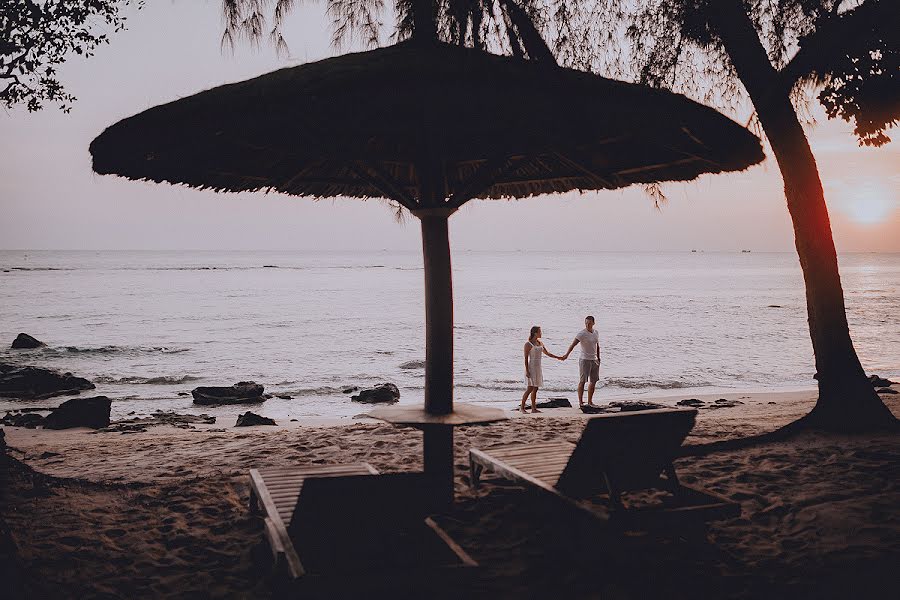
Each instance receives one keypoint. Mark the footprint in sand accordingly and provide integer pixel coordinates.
(115, 533)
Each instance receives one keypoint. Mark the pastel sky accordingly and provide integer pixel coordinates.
(50, 198)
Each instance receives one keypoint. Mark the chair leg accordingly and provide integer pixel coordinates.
(615, 498)
(474, 474)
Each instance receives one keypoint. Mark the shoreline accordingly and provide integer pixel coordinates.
(226, 415)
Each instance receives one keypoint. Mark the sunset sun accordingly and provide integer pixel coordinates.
(869, 204)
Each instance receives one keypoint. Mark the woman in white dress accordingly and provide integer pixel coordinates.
(534, 376)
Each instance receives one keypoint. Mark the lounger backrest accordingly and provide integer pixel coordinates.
(353, 504)
(631, 449)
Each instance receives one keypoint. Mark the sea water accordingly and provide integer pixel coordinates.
(146, 327)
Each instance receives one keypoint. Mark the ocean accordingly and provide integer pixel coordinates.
(146, 326)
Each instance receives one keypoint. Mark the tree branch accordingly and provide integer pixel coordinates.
(831, 37)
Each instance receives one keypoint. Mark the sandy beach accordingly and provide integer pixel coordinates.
(164, 512)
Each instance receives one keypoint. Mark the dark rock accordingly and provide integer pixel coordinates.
(887, 390)
(80, 412)
(633, 405)
(294, 420)
(284, 396)
(774, 306)
(183, 393)
(594, 410)
(243, 392)
(695, 402)
(555, 403)
(724, 403)
(413, 364)
(877, 381)
(29, 420)
(385, 392)
(2, 441)
(35, 382)
(350, 390)
(249, 419)
(772, 402)
(24, 341)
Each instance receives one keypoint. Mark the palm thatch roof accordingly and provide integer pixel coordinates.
(370, 124)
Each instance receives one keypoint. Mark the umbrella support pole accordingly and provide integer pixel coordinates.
(438, 440)
(438, 455)
(438, 314)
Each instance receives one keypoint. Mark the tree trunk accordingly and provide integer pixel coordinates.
(847, 401)
(424, 26)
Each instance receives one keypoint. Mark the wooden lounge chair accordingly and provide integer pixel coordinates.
(622, 456)
(333, 529)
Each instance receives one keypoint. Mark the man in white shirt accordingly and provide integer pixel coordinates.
(589, 363)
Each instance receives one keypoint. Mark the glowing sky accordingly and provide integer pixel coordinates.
(50, 198)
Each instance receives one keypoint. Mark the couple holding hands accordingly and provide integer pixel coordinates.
(588, 364)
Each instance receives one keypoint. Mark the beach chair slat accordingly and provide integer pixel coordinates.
(539, 469)
(548, 455)
(508, 452)
(276, 475)
(508, 471)
(537, 462)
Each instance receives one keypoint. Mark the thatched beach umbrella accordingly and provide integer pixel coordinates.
(429, 126)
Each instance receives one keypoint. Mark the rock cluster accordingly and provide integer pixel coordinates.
(880, 382)
(28, 420)
(159, 417)
(720, 403)
(634, 405)
(34, 382)
(78, 412)
(385, 392)
(242, 392)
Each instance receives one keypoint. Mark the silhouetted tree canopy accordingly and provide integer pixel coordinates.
(847, 51)
(37, 36)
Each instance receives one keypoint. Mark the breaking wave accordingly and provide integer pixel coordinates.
(161, 380)
(118, 349)
(413, 364)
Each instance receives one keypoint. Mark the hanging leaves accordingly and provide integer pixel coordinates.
(37, 37)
